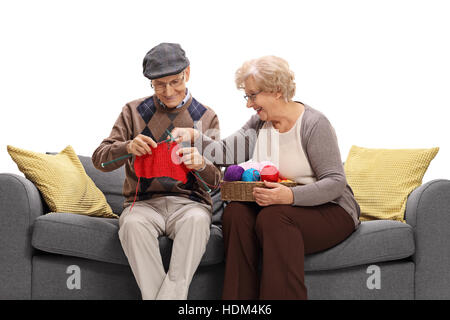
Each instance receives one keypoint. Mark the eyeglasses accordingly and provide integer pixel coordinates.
(161, 86)
(252, 96)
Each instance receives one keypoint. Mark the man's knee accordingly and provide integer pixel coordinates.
(135, 226)
(194, 219)
(200, 217)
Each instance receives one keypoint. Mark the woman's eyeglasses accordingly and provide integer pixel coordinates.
(252, 96)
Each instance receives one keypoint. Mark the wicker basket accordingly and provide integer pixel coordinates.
(243, 190)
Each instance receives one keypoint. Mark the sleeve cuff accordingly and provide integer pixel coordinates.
(203, 168)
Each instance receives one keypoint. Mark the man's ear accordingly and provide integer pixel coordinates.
(187, 72)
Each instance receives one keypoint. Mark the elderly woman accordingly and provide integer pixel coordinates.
(285, 223)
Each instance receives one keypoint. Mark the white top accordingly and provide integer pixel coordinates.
(285, 151)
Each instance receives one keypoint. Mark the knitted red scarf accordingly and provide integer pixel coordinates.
(163, 162)
(160, 163)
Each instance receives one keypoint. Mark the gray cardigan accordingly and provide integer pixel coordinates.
(320, 144)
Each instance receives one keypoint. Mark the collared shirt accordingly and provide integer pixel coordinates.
(186, 98)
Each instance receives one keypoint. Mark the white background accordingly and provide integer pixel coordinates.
(379, 70)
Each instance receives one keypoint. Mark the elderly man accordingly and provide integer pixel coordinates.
(164, 206)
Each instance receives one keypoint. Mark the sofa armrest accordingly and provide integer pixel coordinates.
(428, 212)
(20, 205)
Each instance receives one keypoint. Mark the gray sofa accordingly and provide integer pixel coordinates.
(70, 256)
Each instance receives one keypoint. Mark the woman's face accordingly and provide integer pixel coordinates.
(261, 102)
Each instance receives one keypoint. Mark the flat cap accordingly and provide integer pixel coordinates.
(166, 59)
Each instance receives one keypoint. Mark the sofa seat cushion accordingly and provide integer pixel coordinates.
(373, 242)
(98, 239)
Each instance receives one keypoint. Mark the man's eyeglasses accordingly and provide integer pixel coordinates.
(251, 97)
(161, 86)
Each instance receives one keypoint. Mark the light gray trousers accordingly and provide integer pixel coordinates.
(184, 221)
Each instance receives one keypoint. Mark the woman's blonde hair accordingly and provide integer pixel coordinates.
(271, 73)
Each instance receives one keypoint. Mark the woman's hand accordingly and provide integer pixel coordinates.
(140, 145)
(276, 194)
(191, 158)
(185, 134)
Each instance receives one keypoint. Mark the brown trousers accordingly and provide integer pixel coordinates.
(283, 234)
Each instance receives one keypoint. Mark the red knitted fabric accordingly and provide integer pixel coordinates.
(160, 163)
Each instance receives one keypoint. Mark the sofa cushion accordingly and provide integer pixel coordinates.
(62, 182)
(97, 239)
(110, 183)
(382, 179)
(373, 242)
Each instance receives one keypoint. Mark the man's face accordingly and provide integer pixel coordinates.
(171, 90)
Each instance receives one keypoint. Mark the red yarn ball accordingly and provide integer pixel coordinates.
(269, 173)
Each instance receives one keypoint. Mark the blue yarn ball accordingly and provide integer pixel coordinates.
(251, 175)
(233, 173)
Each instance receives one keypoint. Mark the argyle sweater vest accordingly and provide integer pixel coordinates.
(146, 116)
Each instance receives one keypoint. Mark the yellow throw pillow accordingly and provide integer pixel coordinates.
(62, 181)
(382, 179)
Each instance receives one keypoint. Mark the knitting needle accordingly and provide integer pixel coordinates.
(114, 160)
(170, 135)
(202, 181)
(167, 140)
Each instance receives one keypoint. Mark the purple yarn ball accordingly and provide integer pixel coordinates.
(233, 173)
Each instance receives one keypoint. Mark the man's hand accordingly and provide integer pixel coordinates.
(276, 194)
(141, 145)
(185, 134)
(191, 158)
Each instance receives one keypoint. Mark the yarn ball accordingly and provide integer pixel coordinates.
(251, 175)
(233, 173)
(262, 164)
(269, 173)
(255, 165)
(250, 165)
